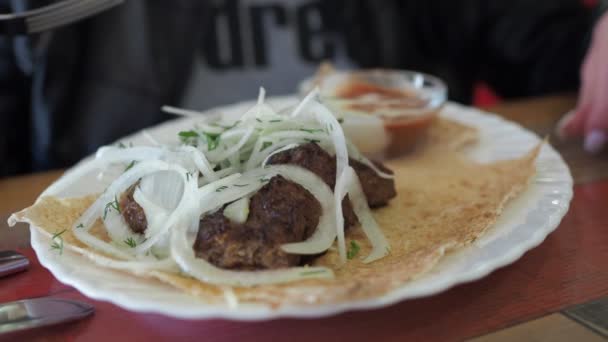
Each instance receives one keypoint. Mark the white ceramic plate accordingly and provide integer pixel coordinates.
(524, 224)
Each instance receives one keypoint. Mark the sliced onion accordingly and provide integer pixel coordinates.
(82, 226)
(279, 149)
(156, 215)
(238, 211)
(356, 155)
(163, 188)
(184, 209)
(94, 242)
(150, 138)
(180, 111)
(201, 162)
(232, 150)
(329, 121)
(261, 96)
(307, 99)
(226, 172)
(380, 246)
(342, 183)
(304, 136)
(259, 110)
(255, 155)
(118, 230)
(112, 154)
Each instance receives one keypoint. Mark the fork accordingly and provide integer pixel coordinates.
(52, 16)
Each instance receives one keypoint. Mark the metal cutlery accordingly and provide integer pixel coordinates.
(12, 262)
(39, 312)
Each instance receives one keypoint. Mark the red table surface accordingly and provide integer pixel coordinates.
(569, 267)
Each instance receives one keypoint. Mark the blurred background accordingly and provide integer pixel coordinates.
(68, 90)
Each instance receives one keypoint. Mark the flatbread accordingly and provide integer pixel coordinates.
(444, 202)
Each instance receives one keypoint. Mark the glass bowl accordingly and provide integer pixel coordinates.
(385, 113)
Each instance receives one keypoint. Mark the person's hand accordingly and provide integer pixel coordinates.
(590, 117)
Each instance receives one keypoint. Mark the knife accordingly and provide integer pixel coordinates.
(12, 262)
(39, 312)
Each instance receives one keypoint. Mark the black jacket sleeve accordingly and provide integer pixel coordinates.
(14, 109)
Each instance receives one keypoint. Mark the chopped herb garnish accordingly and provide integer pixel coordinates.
(266, 144)
(311, 130)
(258, 120)
(80, 225)
(111, 205)
(187, 134)
(130, 165)
(313, 272)
(353, 250)
(340, 120)
(276, 120)
(188, 137)
(121, 145)
(213, 140)
(240, 185)
(264, 180)
(58, 234)
(221, 188)
(130, 242)
(57, 242)
(313, 140)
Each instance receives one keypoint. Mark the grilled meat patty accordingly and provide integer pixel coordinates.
(310, 156)
(313, 158)
(280, 212)
(132, 212)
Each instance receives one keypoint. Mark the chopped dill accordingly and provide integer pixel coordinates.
(187, 134)
(188, 137)
(57, 242)
(131, 164)
(353, 250)
(111, 205)
(311, 130)
(130, 242)
(213, 140)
